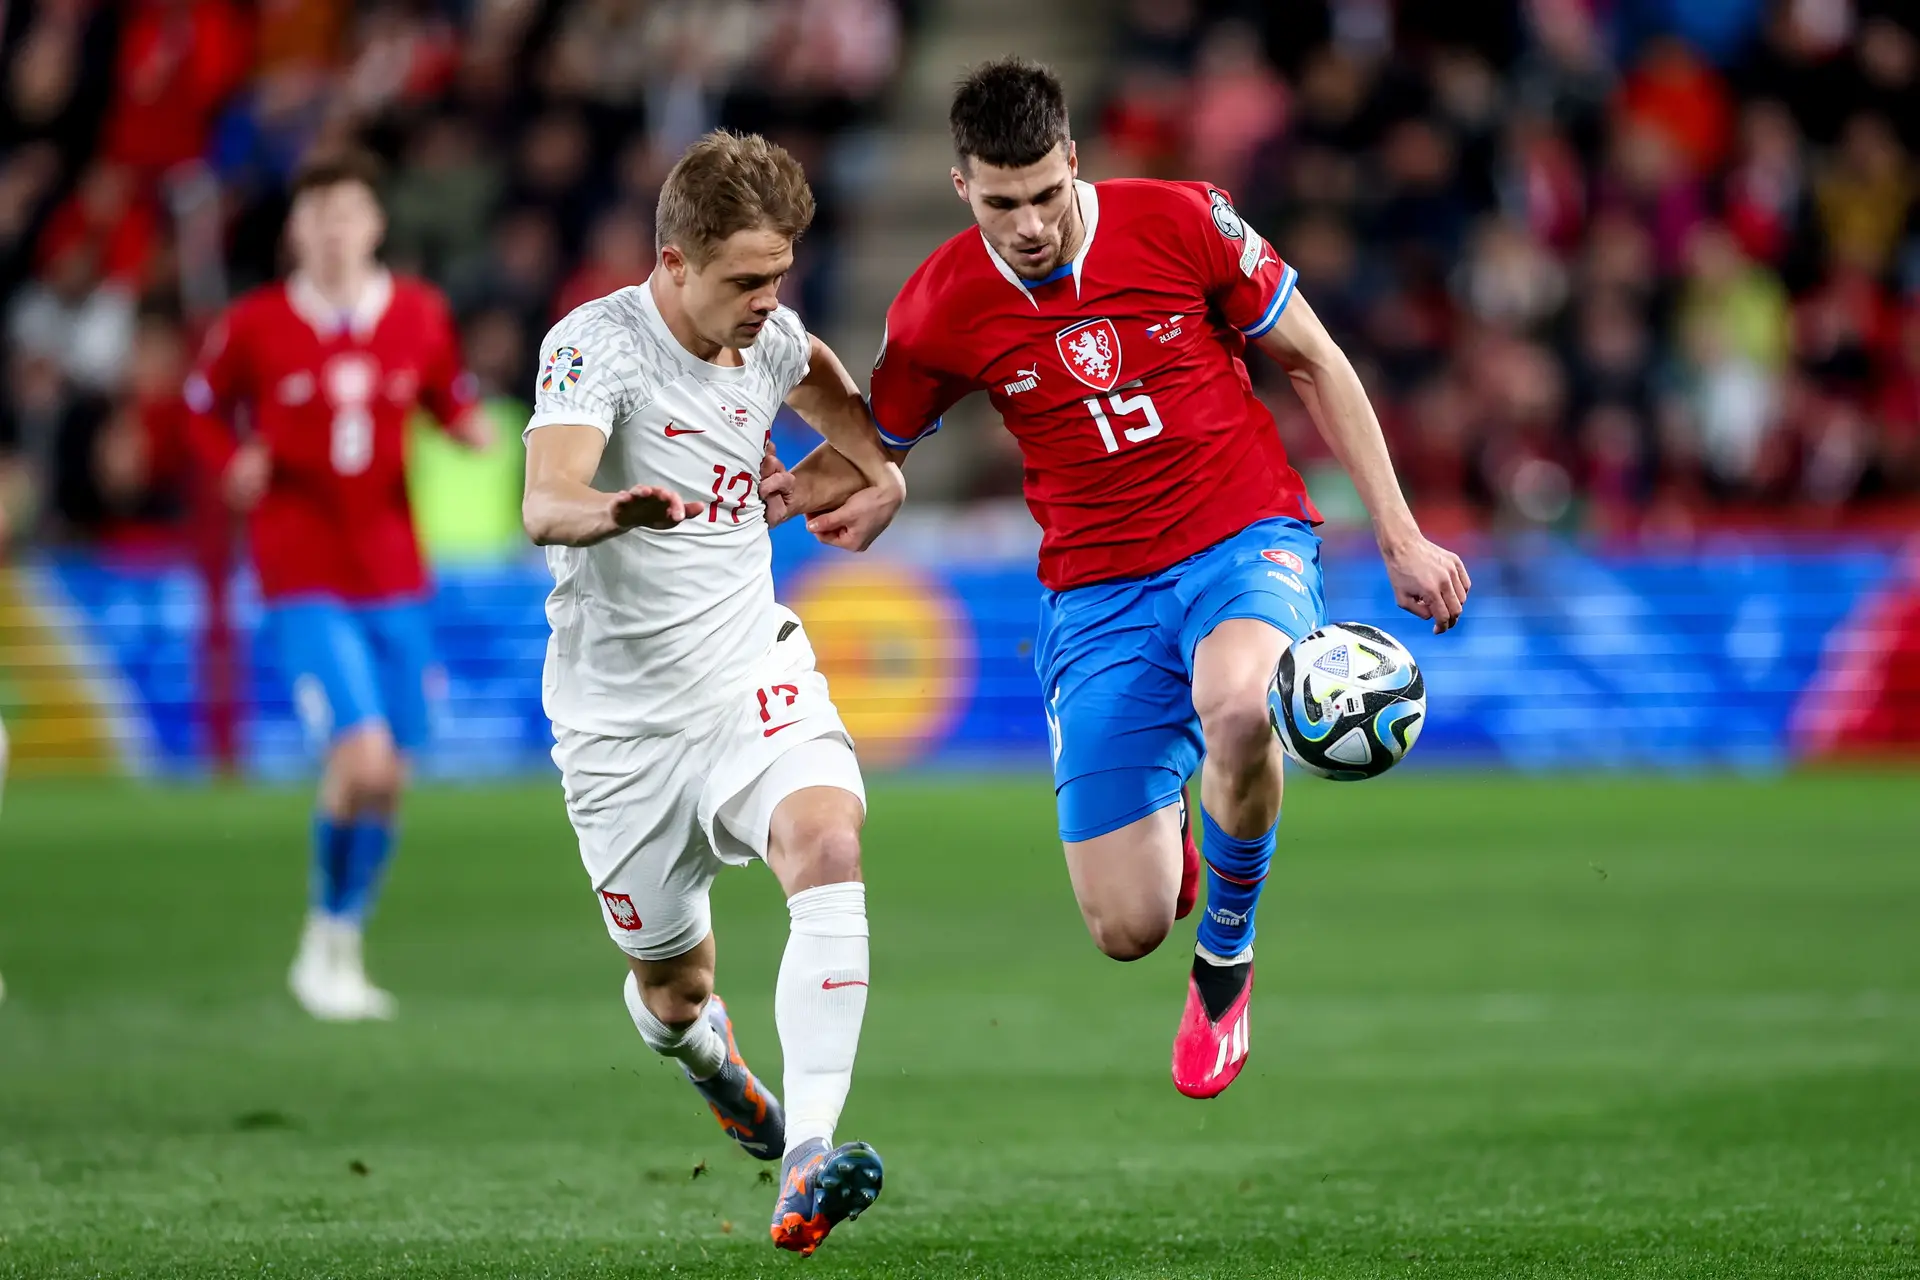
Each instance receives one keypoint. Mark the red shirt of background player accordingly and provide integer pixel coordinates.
(1121, 376)
(330, 396)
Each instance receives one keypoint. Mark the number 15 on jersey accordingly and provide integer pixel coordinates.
(1121, 406)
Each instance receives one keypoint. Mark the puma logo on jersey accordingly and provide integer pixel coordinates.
(673, 431)
(1028, 380)
(1233, 1046)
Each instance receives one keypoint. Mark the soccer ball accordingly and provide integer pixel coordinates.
(1347, 701)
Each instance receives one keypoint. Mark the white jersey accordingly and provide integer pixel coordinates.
(654, 631)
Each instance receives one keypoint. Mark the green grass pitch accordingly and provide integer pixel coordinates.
(1502, 1028)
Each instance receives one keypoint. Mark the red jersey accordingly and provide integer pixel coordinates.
(330, 394)
(1121, 375)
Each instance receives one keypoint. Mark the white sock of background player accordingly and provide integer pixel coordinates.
(701, 1048)
(819, 1003)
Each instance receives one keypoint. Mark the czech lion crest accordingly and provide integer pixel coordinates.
(1091, 352)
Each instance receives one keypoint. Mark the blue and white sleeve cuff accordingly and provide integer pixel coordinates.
(893, 441)
(1271, 316)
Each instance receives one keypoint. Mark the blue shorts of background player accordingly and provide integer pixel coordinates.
(1115, 661)
(355, 664)
(358, 673)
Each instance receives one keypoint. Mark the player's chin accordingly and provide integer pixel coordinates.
(745, 335)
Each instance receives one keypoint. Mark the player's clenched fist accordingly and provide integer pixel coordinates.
(855, 523)
(1429, 581)
(648, 506)
(245, 479)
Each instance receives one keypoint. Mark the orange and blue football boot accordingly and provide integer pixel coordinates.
(1211, 1045)
(1189, 864)
(746, 1109)
(820, 1189)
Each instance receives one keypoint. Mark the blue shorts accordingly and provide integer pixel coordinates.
(355, 664)
(1115, 661)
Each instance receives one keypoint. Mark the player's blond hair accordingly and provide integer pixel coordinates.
(730, 182)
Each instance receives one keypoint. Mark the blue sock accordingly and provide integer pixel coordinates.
(332, 865)
(369, 842)
(1235, 871)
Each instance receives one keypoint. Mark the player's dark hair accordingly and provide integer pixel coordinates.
(729, 182)
(1008, 113)
(334, 168)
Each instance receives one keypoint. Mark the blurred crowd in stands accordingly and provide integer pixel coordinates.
(1622, 265)
(1626, 266)
(146, 147)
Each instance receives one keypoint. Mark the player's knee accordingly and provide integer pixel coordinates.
(678, 996)
(369, 773)
(1128, 935)
(1236, 728)
(1128, 931)
(827, 853)
(815, 839)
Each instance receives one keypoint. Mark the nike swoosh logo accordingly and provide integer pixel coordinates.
(673, 431)
(830, 985)
(777, 728)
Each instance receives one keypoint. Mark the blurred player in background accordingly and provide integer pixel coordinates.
(1108, 324)
(690, 726)
(301, 400)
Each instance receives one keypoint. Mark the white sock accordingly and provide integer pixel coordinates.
(697, 1044)
(819, 1003)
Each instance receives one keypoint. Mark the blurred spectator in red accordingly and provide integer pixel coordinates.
(300, 33)
(404, 56)
(139, 460)
(1648, 180)
(179, 61)
(109, 223)
(1841, 329)
(1675, 93)
(1239, 103)
(1142, 124)
(1541, 183)
(619, 253)
(1898, 407)
(1765, 193)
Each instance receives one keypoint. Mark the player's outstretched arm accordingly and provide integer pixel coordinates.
(561, 506)
(1428, 580)
(832, 405)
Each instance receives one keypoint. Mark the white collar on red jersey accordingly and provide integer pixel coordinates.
(1089, 215)
(327, 320)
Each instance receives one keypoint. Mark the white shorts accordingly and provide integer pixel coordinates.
(657, 817)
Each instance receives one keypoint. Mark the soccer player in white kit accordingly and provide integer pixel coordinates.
(691, 729)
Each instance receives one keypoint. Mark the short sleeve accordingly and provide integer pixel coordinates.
(908, 393)
(1243, 277)
(587, 367)
(789, 350)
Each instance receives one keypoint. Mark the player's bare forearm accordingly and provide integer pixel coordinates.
(825, 478)
(1338, 404)
(832, 404)
(560, 506)
(1428, 581)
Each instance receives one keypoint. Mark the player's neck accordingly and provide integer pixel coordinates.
(1076, 230)
(341, 290)
(680, 325)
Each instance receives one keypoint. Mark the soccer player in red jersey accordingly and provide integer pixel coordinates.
(325, 369)
(1108, 323)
